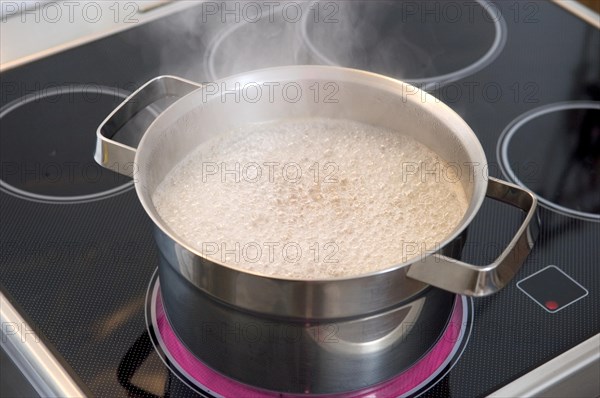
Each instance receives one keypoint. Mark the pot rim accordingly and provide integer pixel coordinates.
(422, 99)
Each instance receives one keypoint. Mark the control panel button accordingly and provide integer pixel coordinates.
(552, 289)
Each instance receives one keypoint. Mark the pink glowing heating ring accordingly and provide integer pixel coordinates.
(401, 384)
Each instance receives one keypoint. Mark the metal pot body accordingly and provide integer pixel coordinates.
(295, 355)
(302, 356)
(198, 291)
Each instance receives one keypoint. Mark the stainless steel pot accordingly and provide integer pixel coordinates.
(377, 321)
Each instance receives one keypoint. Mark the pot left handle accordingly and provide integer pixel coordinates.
(117, 156)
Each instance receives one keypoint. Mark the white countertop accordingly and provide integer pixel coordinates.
(32, 29)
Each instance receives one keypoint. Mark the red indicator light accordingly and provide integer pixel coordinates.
(551, 304)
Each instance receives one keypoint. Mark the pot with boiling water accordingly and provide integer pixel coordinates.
(307, 220)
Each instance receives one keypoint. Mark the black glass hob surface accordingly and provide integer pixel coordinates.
(77, 252)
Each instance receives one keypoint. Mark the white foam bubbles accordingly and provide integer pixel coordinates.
(311, 198)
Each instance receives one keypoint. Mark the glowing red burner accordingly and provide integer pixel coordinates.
(209, 380)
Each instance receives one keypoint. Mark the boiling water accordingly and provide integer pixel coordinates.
(311, 198)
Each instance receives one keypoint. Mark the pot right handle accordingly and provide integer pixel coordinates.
(471, 280)
(118, 156)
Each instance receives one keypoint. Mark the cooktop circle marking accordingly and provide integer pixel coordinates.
(430, 83)
(510, 131)
(59, 91)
